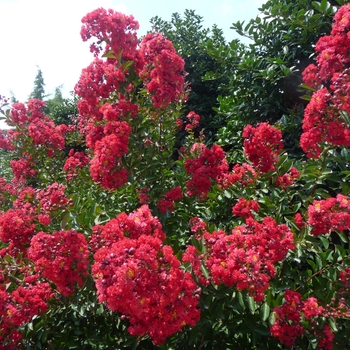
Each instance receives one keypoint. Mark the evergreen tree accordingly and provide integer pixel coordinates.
(13, 98)
(58, 94)
(39, 87)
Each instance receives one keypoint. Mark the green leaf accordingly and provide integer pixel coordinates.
(64, 220)
(343, 236)
(264, 311)
(317, 6)
(240, 300)
(306, 97)
(109, 54)
(333, 325)
(307, 87)
(272, 318)
(324, 5)
(251, 304)
(227, 194)
(324, 241)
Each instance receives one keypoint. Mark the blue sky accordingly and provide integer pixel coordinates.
(45, 33)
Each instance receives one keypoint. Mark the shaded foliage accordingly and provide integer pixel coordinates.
(264, 81)
(191, 41)
(62, 110)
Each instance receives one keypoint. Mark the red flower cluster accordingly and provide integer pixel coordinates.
(163, 70)
(179, 123)
(143, 196)
(26, 199)
(44, 132)
(105, 130)
(18, 114)
(18, 307)
(322, 123)
(53, 198)
(167, 203)
(344, 278)
(23, 168)
(17, 225)
(96, 82)
(311, 77)
(4, 142)
(141, 278)
(207, 166)
(61, 257)
(50, 200)
(116, 30)
(323, 118)
(331, 214)
(75, 162)
(27, 302)
(288, 326)
(287, 179)
(105, 125)
(17, 233)
(245, 258)
(299, 220)
(244, 208)
(243, 174)
(33, 129)
(40, 127)
(262, 145)
(193, 120)
(106, 167)
(17, 228)
(198, 226)
(326, 338)
(140, 222)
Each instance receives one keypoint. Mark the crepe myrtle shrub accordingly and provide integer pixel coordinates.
(118, 245)
(266, 72)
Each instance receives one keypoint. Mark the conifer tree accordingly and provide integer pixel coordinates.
(13, 98)
(39, 87)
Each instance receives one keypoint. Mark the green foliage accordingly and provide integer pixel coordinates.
(191, 41)
(5, 170)
(229, 318)
(62, 110)
(265, 75)
(79, 322)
